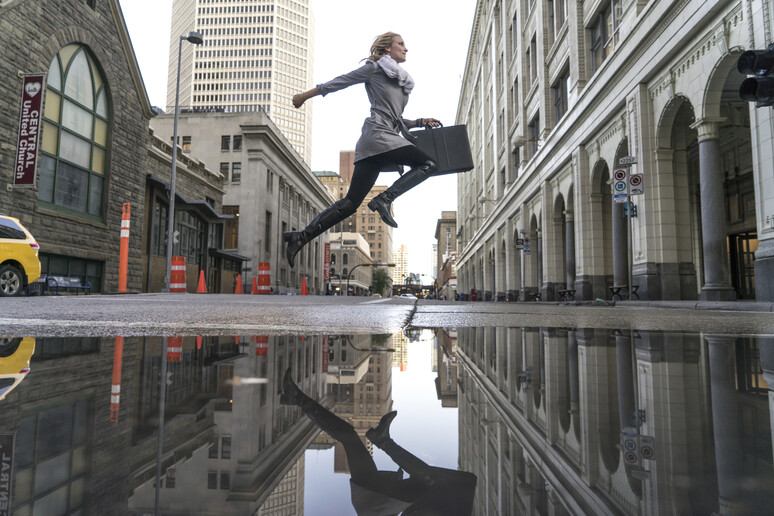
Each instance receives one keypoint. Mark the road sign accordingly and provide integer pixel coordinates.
(619, 186)
(635, 184)
(519, 243)
(647, 446)
(627, 160)
(619, 174)
(620, 198)
(630, 445)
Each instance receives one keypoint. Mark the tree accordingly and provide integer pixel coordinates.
(380, 281)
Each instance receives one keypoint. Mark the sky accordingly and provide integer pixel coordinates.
(436, 32)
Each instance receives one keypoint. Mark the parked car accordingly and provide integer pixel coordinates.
(408, 296)
(19, 262)
(15, 354)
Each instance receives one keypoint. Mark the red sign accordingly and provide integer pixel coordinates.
(327, 262)
(29, 131)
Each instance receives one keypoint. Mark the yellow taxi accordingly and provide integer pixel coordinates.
(19, 263)
(15, 355)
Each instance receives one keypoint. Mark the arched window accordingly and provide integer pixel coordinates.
(76, 127)
(345, 259)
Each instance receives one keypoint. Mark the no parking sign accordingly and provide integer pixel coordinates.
(635, 184)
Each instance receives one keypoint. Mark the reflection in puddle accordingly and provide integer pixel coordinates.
(549, 420)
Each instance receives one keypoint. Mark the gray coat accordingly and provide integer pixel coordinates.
(382, 130)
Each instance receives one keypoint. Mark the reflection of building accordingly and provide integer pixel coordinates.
(251, 445)
(400, 345)
(287, 499)
(253, 59)
(446, 359)
(360, 382)
(446, 235)
(546, 414)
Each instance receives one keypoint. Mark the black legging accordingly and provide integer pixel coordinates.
(367, 170)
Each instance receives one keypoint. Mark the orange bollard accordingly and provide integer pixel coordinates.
(254, 289)
(304, 289)
(123, 253)
(264, 278)
(199, 342)
(202, 288)
(115, 388)
(177, 275)
(238, 289)
(261, 345)
(174, 349)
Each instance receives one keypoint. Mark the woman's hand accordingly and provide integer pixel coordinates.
(298, 100)
(427, 122)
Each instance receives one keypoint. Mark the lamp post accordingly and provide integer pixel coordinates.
(196, 39)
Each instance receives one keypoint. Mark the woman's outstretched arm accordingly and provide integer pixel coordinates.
(300, 98)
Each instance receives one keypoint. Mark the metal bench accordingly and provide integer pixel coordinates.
(566, 294)
(67, 283)
(615, 290)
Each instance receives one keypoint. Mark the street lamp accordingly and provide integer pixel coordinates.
(196, 39)
(366, 265)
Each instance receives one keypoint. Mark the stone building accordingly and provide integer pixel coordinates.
(95, 152)
(446, 237)
(268, 188)
(591, 421)
(555, 94)
(93, 136)
(348, 252)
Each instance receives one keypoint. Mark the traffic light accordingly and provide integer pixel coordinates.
(758, 89)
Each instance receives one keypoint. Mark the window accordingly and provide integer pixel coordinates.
(267, 233)
(534, 134)
(533, 59)
(231, 237)
(225, 449)
(58, 265)
(560, 13)
(9, 229)
(345, 259)
(214, 449)
(186, 144)
(516, 162)
(225, 143)
(76, 131)
(224, 170)
(212, 480)
(269, 181)
(191, 230)
(225, 480)
(448, 232)
(171, 480)
(604, 33)
(237, 142)
(236, 172)
(559, 93)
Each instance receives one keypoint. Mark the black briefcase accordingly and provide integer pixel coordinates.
(448, 146)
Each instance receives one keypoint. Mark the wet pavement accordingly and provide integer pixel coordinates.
(505, 409)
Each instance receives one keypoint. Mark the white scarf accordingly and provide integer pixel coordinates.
(393, 70)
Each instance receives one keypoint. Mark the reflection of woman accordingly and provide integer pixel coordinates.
(427, 490)
(380, 146)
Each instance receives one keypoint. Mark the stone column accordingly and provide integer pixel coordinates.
(626, 401)
(569, 250)
(539, 250)
(717, 275)
(726, 421)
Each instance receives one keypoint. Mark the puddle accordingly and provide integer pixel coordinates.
(540, 420)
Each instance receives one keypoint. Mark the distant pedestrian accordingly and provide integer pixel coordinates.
(380, 147)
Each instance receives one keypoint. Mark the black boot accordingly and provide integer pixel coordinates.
(381, 434)
(291, 394)
(381, 203)
(327, 218)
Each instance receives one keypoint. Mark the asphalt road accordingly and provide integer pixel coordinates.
(229, 314)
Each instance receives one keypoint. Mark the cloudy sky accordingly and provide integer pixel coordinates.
(436, 33)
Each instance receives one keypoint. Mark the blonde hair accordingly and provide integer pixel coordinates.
(381, 44)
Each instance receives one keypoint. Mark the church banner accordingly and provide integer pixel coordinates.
(29, 131)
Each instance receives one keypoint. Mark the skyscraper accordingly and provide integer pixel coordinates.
(256, 55)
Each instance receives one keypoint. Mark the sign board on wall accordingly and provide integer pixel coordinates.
(6, 472)
(26, 157)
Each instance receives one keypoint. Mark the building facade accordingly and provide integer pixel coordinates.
(400, 258)
(256, 55)
(555, 94)
(268, 188)
(348, 252)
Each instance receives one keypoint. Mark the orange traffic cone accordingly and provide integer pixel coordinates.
(254, 289)
(199, 342)
(238, 289)
(202, 288)
(304, 289)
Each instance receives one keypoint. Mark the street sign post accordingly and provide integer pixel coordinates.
(635, 184)
(627, 160)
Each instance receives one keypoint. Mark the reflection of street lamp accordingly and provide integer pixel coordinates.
(366, 265)
(196, 39)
